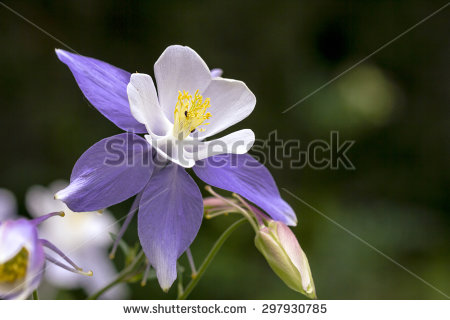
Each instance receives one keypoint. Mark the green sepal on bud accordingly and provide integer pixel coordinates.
(280, 247)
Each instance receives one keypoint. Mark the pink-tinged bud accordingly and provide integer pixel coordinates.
(282, 251)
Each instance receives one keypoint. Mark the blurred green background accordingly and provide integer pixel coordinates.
(395, 106)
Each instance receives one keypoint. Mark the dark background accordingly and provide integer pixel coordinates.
(395, 106)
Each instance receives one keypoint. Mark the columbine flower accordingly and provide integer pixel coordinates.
(83, 234)
(282, 251)
(189, 106)
(22, 257)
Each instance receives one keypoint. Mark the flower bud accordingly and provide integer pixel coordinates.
(282, 251)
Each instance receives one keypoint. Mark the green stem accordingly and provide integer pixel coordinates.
(216, 247)
(35, 295)
(180, 283)
(122, 276)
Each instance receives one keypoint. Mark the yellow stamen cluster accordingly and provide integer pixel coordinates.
(190, 112)
(16, 268)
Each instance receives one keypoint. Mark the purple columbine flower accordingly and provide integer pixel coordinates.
(191, 104)
(22, 257)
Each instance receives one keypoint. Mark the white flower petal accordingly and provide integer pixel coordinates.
(60, 278)
(14, 235)
(238, 142)
(40, 201)
(179, 68)
(57, 185)
(231, 102)
(144, 104)
(104, 270)
(8, 205)
(92, 258)
(169, 148)
(79, 234)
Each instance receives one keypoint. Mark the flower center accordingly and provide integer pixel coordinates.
(15, 268)
(190, 112)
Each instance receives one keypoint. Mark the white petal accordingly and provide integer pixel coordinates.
(14, 235)
(179, 68)
(144, 104)
(8, 205)
(79, 231)
(171, 149)
(104, 270)
(60, 278)
(238, 142)
(57, 185)
(40, 201)
(97, 228)
(231, 102)
(80, 235)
